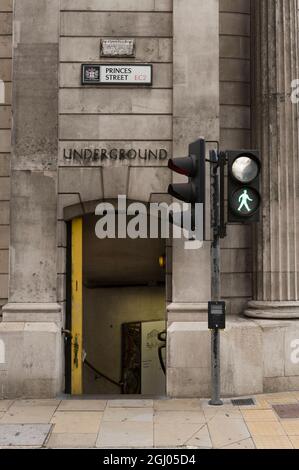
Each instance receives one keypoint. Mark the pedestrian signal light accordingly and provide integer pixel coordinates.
(244, 200)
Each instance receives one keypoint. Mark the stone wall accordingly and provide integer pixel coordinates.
(149, 110)
(112, 117)
(5, 138)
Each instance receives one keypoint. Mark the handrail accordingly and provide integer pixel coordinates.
(100, 374)
(162, 337)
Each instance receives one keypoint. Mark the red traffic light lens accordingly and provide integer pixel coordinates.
(178, 169)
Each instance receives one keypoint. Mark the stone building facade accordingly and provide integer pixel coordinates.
(222, 69)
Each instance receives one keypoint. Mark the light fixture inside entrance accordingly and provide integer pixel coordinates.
(162, 261)
(245, 169)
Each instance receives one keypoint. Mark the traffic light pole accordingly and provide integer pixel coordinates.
(216, 224)
(193, 192)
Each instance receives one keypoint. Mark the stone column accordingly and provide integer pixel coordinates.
(195, 114)
(275, 127)
(31, 327)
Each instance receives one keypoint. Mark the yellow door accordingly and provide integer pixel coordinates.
(77, 307)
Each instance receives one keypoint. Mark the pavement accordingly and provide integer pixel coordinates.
(150, 423)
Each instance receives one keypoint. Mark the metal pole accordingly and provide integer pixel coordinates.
(215, 284)
(215, 222)
(215, 366)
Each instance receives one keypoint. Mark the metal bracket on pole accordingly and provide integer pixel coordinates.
(222, 223)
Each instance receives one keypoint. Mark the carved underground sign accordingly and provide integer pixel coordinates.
(117, 74)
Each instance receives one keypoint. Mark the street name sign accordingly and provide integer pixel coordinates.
(117, 74)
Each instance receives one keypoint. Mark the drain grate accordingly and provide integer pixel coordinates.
(243, 402)
(287, 411)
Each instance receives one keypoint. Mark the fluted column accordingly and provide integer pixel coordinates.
(275, 132)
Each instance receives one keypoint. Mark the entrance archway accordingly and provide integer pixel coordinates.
(116, 312)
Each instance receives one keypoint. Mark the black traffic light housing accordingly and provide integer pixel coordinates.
(194, 167)
(244, 198)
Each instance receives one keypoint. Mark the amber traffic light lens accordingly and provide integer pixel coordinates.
(245, 169)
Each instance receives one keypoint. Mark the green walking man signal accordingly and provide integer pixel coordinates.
(244, 199)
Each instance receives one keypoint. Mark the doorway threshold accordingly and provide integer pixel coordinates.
(111, 397)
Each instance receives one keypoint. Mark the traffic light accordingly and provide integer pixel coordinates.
(244, 199)
(194, 167)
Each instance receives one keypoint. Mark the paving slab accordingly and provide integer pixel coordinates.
(291, 426)
(278, 395)
(194, 417)
(28, 414)
(130, 403)
(68, 440)
(201, 439)
(23, 434)
(212, 412)
(37, 402)
(82, 405)
(265, 428)
(128, 414)
(246, 444)
(259, 415)
(278, 398)
(5, 404)
(261, 404)
(80, 422)
(282, 401)
(125, 434)
(166, 435)
(295, 441)
(287, 411)
(226, 410)
(225, 431)
(21, 447)
(272, 442)
(178, 405)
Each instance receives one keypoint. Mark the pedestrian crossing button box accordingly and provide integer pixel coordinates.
(216, 315)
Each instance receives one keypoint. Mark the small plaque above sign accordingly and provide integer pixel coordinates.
(117, 48)
(117, 74)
